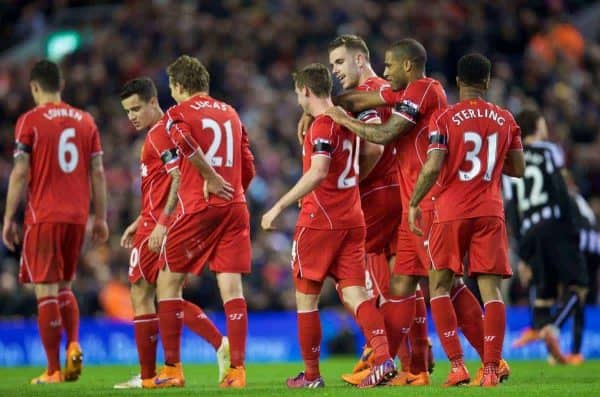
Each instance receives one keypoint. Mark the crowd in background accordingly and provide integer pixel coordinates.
(251, 48)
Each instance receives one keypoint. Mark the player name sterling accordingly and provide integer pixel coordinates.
(467, 114)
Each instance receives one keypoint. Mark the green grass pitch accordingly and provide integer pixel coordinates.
(528, 379)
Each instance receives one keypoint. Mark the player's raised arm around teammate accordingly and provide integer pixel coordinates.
(404, 62)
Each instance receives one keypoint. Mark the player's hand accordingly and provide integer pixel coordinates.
(337, 113)
(99, 231)
(10, 235)
(128, 234)
(303, 126)
(156, 238)
(268, 218)
(414, 220)
(525, 273)
(219, 187)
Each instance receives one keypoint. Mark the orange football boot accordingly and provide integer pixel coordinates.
(408, 379)
(357, 377)
(575, 359)
(528, 336)
(234, 378)
(458, 376)
(169, 376)
(503, 373)
(55, 377)
(74, 363)
(365, 361)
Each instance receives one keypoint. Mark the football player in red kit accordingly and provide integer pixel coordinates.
(330, 232)
(470, 145)
(160, 177)
(58, 157)
(208, 228)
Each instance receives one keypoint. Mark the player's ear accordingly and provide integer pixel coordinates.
(305, 91)
(407, 64)
(153, 101)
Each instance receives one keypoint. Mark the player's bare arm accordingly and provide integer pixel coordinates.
(376, 133)
(357, 101)
(318, 171)
(100, 227)
(158, 233)
(514, 164)
(16, 184)
(213, 182)
(129, 233)
(427, 177)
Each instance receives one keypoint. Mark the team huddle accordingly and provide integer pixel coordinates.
(398, 187)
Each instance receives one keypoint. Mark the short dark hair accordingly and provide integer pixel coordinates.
(350, 41)
(315, 76)
(47, 74)
(527, 119)
(474, 69)
(143, 87)
(190, 73)
(410, 49)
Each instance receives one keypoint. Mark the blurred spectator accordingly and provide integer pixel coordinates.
(250, 49)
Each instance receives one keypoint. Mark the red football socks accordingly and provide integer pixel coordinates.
(49, 323)
(145, 328)
(309, 334)
(418, 337)
(69, 312)
(494, 325)
(398, 314)
(373, 326)
(404, 354)
(195, 319)
(446, 326)
(170, 323)
(236, 314)
(469, 316)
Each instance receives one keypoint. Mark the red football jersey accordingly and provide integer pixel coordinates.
(335, 203)
(416, 103)
(477, 135)
(61, 140)
(159, 157)
(387, 164)
(204, 123)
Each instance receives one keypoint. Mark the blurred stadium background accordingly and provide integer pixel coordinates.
(545, 52)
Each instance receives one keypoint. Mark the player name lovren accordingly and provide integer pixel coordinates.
(62, 112)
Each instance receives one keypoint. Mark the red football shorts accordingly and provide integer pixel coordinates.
(340, 254)
(219, 235)
(383, 211)
(50, 252)
(411, 253)
(377, 276)
(484, 239)
(143, 263)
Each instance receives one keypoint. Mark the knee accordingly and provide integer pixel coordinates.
(402, 285)
(307, 302)
(142, 298)
(230, 288)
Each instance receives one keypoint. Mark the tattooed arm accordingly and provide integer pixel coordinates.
(376, 133)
